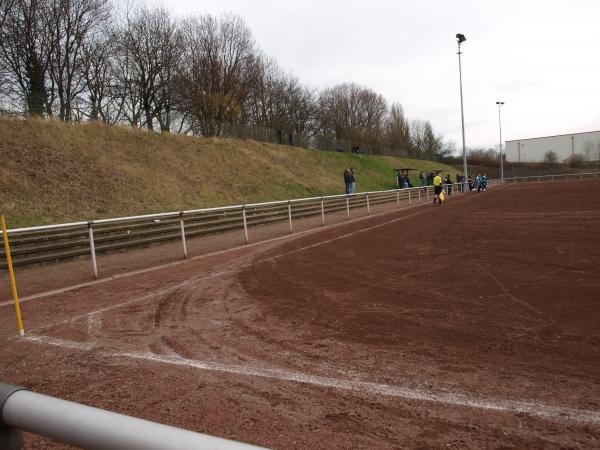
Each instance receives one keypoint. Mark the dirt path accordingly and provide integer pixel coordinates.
(467, 326)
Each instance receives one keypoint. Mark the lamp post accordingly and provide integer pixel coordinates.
(460, 38)
(500, 126)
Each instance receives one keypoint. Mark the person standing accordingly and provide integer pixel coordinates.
(448, 182)
(422, 180)
(347, 181)
(479, 181)
(352, 181)
(437, 188)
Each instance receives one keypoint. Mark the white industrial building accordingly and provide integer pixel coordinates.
(564, 145)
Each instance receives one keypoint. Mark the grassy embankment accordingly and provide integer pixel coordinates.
(52, 172)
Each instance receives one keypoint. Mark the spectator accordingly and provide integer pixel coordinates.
(422, 180)
(348, 181)
(449, 184)
(479, 181)
(484, 181)
(405, 182)
(352, 181)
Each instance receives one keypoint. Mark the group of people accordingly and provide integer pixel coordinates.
(403, 181)
(426, 179)
(434, 178)
(479, 183)
(349, 180)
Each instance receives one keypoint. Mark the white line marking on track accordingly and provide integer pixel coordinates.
(542, 410)
(92, 315)
(57, 342)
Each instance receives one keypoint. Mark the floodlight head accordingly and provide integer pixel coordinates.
(460, 38)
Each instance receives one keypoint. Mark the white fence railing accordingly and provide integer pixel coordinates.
(88, 238)
(55, 242)
(557, 177)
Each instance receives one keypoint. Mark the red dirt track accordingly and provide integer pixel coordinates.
(471, 325)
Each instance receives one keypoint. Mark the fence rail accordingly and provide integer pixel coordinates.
(91, 428)
(558, 177)
(65, 241)
(71, 240)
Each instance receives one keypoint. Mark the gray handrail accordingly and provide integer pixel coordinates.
(93, 428)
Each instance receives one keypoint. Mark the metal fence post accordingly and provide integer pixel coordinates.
(290, 215)
(398, 198)
(323, 210)
(245, 223)
(347, 206)
(182, 234)
(368, 207)
(419, 195)
(427, 190)
(92, 247)
(409, 199)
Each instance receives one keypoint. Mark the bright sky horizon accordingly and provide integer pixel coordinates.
(539, 57)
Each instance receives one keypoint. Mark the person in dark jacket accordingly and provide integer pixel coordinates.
(448, 183)
(348, 181)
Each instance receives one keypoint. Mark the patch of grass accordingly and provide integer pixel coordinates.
(53, 172)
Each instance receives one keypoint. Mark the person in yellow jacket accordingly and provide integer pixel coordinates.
(437, 187)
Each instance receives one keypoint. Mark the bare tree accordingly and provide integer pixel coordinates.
(398, 129)
(70, 24)
(550, 157)
(148, 52)
(24, 45)
(354, 113)
(220, 66)
(303, 111)
(98, 70)
(278, 102)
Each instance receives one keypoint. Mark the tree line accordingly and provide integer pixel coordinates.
(82, 60)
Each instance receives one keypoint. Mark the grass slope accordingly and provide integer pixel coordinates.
(53, 172)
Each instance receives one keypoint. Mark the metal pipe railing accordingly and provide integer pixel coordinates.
(61, 241)
(92, 428)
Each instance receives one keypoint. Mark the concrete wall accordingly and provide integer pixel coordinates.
(533, 149)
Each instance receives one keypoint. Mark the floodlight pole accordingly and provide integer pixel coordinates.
(500, 127)
(460, 39)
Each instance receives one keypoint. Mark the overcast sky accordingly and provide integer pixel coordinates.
(541, 57)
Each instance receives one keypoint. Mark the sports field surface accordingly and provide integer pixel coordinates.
(471, 325)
